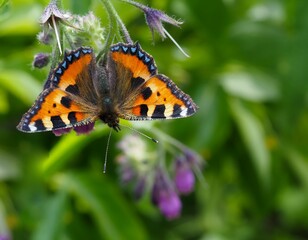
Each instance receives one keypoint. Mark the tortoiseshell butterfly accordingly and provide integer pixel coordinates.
(124, 85)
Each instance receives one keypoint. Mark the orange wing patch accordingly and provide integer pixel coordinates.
(65, 75)
(135, 59)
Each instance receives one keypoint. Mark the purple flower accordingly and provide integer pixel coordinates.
(184, 176)
(192, 158)
(4, 237)
(170, 205)
(44, 37)
(165, 197)
(51, 16)
(140, 187)
(126, 171)
(155, 18)
(40, 60)
(52, 11)
(84, 129)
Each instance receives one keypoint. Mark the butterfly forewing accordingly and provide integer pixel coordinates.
(68, 98)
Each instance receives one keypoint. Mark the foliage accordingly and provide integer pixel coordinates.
(247, 72)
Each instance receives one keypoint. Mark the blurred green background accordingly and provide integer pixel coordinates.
(248, 73)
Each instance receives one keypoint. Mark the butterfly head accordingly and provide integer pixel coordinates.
(111, 119)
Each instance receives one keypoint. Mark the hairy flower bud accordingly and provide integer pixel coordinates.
(40, 60)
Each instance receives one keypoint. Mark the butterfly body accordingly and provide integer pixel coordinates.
(124, 85)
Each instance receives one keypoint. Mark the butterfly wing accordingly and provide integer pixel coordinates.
(68, 98)
(160, 98)
(145, 94)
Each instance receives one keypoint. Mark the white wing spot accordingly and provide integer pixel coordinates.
(32, 127)
(184, 113)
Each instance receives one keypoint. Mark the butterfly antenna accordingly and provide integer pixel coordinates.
(141, 133)
(106, 154)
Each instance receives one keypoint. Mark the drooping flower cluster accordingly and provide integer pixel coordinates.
(141, 167)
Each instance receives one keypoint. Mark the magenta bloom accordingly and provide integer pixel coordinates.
(155, 19)
(40, 60)
(184, 176)
(165, 197)
(140, 188)
(4, 237)
(170, 205)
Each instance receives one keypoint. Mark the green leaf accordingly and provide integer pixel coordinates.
(21, 84)
(22, 21)
(253, 136)
(298, 163)
(52, 220)
(4, 9)
(9, 167)
(4, 104)
(252, 85)
(112, 214)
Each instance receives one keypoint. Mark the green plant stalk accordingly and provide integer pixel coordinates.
(115, 18)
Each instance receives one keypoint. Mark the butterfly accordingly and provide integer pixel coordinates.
(125, 84)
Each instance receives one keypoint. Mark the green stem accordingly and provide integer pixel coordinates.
(112, 22)
(136, 4)
(169, 139)
(115, 18)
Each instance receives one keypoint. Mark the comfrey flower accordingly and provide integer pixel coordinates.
(87, 29)
(50, 17)
(143, 169)
(126, 171)
(5, 237)
(41, 60)
(155, 18)
(184, 177)
(165, 197)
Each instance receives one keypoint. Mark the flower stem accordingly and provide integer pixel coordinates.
(114, 17)
(169, 139)
(136, 4)
(112, 22)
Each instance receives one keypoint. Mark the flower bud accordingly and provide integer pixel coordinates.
(140, 188)
(184, 176)
(40, 60)
(165, 197)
